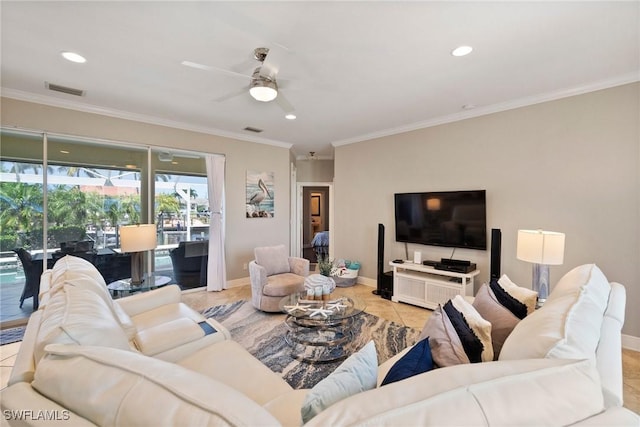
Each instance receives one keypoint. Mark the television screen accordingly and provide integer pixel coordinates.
(446, 218)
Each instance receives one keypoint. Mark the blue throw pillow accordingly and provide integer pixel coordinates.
(356, 374)
(416, 361)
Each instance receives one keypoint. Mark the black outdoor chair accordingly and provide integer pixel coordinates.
(190, 265)
(32, 272)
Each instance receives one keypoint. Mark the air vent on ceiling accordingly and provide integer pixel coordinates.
(252, 129)
(64, 89)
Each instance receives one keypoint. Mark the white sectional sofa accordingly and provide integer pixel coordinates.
(149, 360)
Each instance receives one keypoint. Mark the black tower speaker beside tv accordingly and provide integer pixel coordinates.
(496, 250)
(385, 280)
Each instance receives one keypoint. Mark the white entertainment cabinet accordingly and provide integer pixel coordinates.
(424, 286)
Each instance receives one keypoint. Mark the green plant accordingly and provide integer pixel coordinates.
(325, 265)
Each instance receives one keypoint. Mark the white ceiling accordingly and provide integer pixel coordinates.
(352, 70)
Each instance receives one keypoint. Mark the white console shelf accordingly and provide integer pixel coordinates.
(424, 286)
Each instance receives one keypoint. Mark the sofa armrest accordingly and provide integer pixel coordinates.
(258, 276)
(166, 336)
(24, 366)
(139, 303)
(299, 266)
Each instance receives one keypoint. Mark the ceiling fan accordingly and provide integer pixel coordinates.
(263, 85)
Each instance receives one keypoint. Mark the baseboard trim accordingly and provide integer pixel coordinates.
(238, 282)
(630, 342)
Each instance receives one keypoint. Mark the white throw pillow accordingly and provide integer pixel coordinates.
(480, 326)
(526, 296)
(356, 374)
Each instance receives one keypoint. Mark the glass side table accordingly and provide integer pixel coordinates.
(123, 287)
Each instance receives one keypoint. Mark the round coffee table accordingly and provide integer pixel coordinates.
(320, 331)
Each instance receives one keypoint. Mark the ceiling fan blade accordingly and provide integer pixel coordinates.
(284, 103)
(233, 94)
(199, 66)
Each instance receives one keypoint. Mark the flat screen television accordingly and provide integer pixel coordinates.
(455, 219)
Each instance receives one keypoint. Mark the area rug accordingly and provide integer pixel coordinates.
(262, 334)
(11, 335)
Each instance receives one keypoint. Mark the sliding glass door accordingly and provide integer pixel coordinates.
(61, 195)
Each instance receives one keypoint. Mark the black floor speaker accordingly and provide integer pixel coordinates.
(385, 280)
(496, 252)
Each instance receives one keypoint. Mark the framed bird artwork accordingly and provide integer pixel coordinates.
(260, 197)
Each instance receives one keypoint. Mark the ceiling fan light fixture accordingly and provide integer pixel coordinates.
(263, 90)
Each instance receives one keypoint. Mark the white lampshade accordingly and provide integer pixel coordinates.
(138, 238)
(540, 247)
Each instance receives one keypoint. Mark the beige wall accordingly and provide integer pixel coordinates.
(242, 234)
(314, 170)
(570, 165)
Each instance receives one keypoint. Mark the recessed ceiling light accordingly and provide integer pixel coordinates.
(461, 51)
(74, 57)
(64, 151)
(290, 116)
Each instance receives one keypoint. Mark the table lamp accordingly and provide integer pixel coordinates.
(136, 239)
(542, 248)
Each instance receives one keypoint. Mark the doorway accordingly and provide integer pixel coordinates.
(314, 219)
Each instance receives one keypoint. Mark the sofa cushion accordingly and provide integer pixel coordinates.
(502, 320)
(446, 346)
(109, 386)
(78, 316)
(80, 273)
(229, 363)
(414, 362)
(569, 323)
(356, 374)
(274, 259)
(518, 392)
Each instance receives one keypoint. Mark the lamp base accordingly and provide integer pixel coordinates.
(541, 282)
(137, 268)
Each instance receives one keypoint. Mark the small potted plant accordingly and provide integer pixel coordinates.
(326, 267)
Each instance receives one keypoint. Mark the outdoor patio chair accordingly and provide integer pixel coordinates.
(32, 272)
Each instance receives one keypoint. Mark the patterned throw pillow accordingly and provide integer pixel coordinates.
(503, 304)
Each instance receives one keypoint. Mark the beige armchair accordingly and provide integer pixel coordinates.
(274, 275)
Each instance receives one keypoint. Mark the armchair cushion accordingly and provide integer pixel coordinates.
(273, 258)
(282, 285)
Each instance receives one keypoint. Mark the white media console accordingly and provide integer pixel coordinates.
(424, 286)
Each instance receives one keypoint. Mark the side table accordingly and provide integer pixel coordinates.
(320, 331)
(123, 287)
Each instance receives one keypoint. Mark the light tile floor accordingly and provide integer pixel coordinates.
(403, 314)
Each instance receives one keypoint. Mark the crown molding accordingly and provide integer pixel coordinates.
(495, 108)
(126, 115)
